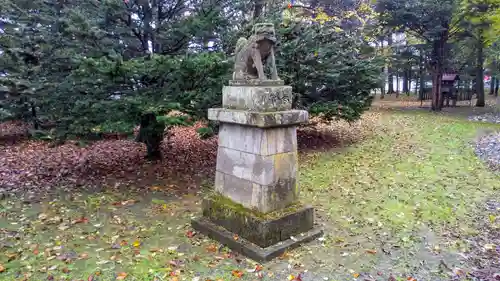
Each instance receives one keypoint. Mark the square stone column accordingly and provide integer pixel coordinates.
(256, 187)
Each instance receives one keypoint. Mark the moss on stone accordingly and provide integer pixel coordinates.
(229, 208)
(263, 229)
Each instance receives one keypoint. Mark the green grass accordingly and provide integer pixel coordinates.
(388, 205)
(420, 169)
(418, 175)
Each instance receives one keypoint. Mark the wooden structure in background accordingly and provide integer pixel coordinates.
(452, 90)
(448, 82)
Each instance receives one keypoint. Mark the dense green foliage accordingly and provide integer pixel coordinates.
(332, 71)
(93, 67)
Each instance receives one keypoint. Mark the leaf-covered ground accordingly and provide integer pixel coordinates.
(409, 200)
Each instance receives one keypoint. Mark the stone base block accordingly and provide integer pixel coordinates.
(250, 250)
(259, 141)
(258, 119)
(259, 197)
(261, 229)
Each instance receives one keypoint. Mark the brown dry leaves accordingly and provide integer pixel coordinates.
(36, 164)
(121, 162)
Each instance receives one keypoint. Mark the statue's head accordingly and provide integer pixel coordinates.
(265, 31)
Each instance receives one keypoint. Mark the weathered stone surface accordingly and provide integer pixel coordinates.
(250, 250)
(256, 82)
(256, 168)
(264, 198)
(260, 141)
(261, 98)
(258, 119)
(262, 230)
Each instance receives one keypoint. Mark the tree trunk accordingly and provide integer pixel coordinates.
(36, 124)
(497, 86)
(492, 85)
(258, 8)
(159, 16)
(468, 90)
(421, 76)
(397, 84)
(148, 30)
(416, 86)
(480, 73)
(382, 86)
(405, 82)
(390, 78)
(437, 73)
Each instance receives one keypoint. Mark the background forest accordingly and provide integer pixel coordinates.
(66, 64)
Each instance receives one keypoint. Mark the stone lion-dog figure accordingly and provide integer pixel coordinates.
(253, 53)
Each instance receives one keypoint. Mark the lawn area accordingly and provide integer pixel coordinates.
(405, 201)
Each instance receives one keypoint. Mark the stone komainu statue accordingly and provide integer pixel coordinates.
(253, 53)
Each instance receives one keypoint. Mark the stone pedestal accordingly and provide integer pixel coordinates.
(256, 187)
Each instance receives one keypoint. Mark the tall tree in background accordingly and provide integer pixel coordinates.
(431, 21)
(390, 68)
(478, 21)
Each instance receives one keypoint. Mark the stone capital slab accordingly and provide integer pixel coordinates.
(258, 119)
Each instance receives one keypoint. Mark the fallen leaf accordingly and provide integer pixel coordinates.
(11, 256)
(42, 216)
(285, 255)
(356, 275)
(156, 250)
(136, 243)
(121, 276)
(124, 203)
(212, 248)
(371, 251)
(237, 273)
(489, 246)
(492, 219)
(458, 271)
(2, 268)
(81, 220)
(155, 188)
(236, 237)
(190, 234)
